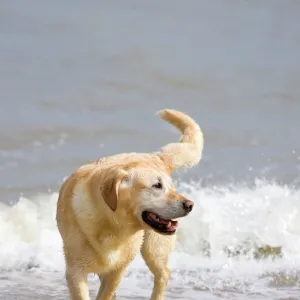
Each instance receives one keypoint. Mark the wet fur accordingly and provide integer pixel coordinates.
(99, 212)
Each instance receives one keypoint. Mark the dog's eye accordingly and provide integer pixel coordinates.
(157, 185)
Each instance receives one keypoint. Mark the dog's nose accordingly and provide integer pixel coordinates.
(188, 205)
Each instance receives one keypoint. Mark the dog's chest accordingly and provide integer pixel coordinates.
(113, 257)
(111, 253)
(117, 251)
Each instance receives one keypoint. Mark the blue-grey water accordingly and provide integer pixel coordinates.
(84, 79)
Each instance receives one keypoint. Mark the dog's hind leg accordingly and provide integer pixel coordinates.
(155, 251)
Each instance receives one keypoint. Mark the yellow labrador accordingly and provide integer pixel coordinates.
(113, 208)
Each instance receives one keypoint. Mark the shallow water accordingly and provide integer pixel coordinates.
(79, 81)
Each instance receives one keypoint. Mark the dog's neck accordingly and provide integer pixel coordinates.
(113, 224)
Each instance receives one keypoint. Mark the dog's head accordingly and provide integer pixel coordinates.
(145, 196)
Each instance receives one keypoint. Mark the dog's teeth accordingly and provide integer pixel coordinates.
(152, 216)
(169, 224)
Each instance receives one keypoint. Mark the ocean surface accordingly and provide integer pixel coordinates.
(84, 79)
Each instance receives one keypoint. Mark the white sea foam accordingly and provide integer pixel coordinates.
(29, 236)
(225, 219)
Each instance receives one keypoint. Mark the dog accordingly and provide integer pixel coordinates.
(111, 209)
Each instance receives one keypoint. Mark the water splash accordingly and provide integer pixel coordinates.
(234, 220)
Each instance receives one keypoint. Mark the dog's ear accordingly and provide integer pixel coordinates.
(110, 188)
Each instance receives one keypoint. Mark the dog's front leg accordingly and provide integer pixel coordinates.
(109, 284)
(102, 287)
(155, 250)
(77, 284)
(161, 278)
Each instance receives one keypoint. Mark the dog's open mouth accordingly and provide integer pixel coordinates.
(159, 224)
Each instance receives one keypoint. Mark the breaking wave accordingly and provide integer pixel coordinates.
(234, 221)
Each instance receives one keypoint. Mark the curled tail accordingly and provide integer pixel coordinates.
(188, 151)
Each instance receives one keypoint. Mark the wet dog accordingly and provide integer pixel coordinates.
(111, 209)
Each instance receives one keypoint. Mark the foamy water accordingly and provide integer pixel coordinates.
(233, 217)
